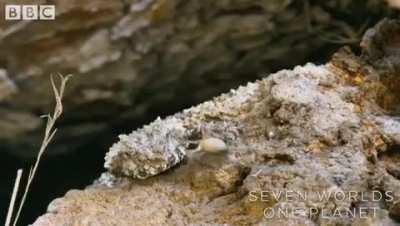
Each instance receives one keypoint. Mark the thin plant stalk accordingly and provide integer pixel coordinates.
(50, 131)
(13, 197)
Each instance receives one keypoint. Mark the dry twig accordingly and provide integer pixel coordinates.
(13, 197)
(50, 131)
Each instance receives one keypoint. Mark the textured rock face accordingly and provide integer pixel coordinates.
(140, 53)
(313, 129)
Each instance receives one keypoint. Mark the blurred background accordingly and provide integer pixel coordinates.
(134, 60)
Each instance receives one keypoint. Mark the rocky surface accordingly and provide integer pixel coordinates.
(313, 129)
(139, 56)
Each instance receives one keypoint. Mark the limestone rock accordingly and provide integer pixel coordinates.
(7, 87)
(312, 129)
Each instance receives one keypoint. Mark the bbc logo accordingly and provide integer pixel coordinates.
(30, 12)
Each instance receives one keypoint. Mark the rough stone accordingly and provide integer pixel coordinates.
(312, 129)
(7, 87)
